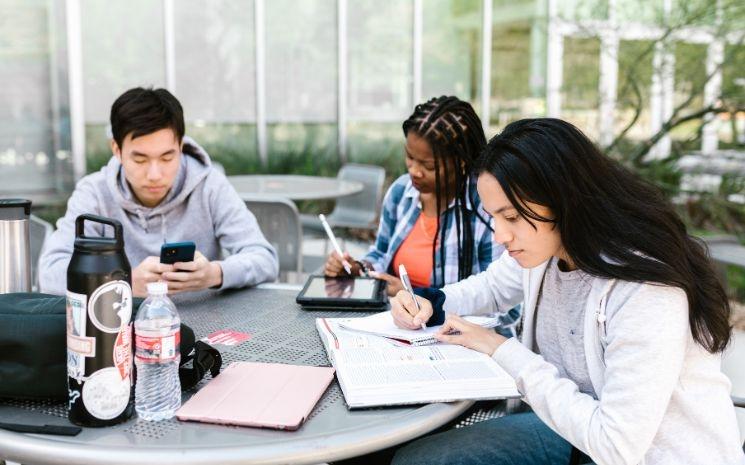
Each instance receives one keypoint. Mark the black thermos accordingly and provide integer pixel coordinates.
(99, 328)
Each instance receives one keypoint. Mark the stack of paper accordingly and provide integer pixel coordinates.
(374, 371)
(381, 324)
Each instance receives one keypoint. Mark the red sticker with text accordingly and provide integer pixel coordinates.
(227, 337)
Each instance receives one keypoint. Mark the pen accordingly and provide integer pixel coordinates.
(332, 238)
(407, 286)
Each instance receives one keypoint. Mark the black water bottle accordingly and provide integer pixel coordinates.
(99, 328)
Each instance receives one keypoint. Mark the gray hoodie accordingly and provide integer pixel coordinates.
(201, 206)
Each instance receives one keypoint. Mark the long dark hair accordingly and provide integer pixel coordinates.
(454, 132)
(613, 224)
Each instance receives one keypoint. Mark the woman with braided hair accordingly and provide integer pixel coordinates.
(430, 219)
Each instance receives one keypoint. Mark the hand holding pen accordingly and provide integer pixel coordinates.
(408, 288)
(335, 244)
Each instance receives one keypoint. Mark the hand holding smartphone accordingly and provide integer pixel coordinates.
(174, 252)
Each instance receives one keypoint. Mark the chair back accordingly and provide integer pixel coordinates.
(38, 232)
(360, 210)
(279, 220)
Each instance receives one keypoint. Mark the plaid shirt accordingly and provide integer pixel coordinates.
(401, 209)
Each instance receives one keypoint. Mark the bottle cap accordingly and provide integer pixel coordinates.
(158, 287)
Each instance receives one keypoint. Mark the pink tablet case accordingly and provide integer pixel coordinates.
(267, 395)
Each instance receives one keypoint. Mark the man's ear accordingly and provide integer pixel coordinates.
(115, 150)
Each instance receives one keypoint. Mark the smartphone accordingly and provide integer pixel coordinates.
(173, 252)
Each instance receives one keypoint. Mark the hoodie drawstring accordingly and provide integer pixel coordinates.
(163, 228)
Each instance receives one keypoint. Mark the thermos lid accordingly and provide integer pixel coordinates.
(14, 209)
(84, 243)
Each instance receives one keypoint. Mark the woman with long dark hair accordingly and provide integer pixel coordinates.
(431, 220)
(624, 320)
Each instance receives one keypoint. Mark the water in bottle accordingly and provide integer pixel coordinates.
(157, 356)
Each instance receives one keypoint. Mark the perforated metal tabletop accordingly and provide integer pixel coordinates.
(280, 332)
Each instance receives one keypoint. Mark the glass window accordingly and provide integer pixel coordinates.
(451, 48)
(123, 47)
(215, 50)
(34, 120)
(380, 59)
(518, 63)
(301, 75)
(634, 87)
(579, 92)
(215, 60)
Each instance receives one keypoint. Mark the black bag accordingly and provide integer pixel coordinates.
(33, 348)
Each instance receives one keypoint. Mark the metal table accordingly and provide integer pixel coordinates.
(293, 187)
(280, 332)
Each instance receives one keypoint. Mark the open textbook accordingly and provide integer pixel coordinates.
(374, 371)
(381, 324)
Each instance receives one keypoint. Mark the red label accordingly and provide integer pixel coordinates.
(157, 349)
(123, 351)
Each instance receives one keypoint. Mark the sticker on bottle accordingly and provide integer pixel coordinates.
(110, 307)
(122, 352)
(106, 394)
(157, 349)
(78, 345)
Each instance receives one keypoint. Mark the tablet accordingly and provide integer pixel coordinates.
(321, 292)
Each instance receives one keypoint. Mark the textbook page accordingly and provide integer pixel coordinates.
(381, 324)
(375, 371)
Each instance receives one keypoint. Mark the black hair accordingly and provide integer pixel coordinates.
(613, 223)
(454, 132)
(142, 111)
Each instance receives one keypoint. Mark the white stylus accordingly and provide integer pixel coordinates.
(332, 238)
(407, 286)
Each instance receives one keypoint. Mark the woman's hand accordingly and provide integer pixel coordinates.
(334, 266)
(394, 284)
(406, 315)
(456, 330)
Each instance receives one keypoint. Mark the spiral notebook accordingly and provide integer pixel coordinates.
(381, 324)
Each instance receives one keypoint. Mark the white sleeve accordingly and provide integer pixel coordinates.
(647, 340)
(496, 289)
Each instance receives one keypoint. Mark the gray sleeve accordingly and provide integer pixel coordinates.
(252, 260)
(55, 256)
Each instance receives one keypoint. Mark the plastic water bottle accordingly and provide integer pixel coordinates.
(157, 355)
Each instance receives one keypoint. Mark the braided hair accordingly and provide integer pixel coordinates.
(454, 132)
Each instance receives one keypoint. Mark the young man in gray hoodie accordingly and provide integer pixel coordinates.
(162, 187)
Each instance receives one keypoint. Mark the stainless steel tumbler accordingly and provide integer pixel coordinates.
(15, 254)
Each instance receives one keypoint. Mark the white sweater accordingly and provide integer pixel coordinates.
(662, 397)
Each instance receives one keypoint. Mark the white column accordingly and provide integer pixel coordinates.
(169, 44)
(75, 76)
(260, 81)
(342, 63)
(661, 98)
(712, 89)
(554, 62)
(608, 82)
(417, 51)
(486, 49)
(663, 88)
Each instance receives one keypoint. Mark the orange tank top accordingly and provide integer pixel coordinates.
(415, 252)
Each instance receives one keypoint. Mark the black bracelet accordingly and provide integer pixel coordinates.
(364, 269)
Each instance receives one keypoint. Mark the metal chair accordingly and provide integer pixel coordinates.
(38, 232)
(280, 222)
(358, 211)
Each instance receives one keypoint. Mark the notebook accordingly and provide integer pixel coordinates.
(381, 324)
(265, 395)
